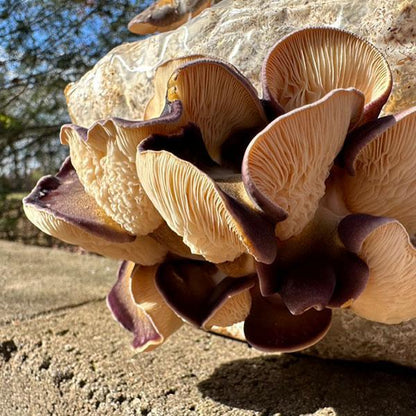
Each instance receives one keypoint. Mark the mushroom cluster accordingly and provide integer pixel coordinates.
(227, 208)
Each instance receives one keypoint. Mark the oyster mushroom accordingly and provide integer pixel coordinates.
(202, 295)
(156, 104)
(165, 15)
(311, 211)
(307, 64)
(60, 207)
(212, 216)
(381, 182)
(200, 167)
(271, 327)
(384, 244)
(103, 159)
(380, 160)
(137, 306)
(286, 165)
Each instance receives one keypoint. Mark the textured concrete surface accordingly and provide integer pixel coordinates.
(37, 280)
(73, 359)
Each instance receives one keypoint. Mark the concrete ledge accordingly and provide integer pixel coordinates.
(75, 360)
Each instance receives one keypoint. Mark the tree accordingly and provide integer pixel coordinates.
(45, 44)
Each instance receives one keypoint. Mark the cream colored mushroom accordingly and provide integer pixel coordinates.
(217, 99)
(138, 306)
(212, 223)
(384, 244)
(104, 159)
(59, 206)
(156, 104)
(306, 65)
(286, 165)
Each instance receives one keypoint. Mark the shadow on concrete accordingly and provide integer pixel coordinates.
(297, 384)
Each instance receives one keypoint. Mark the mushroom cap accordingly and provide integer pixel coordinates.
(218, 99)
(380, 160)
(212, 222)
(305, 65)
(286, 165)
(384, 245)
(271, 327)
(199, 293)
(165, 15)
(137, 305)
(156, 104)
(104, 157)
(60, 207)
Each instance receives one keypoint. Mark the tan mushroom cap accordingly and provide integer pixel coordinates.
(193, 206)
(151, 304)
(217, 99)
(163, 72)
(384, 181)
(389, 296)
(307, 64)
(286, 165)
(137, 305)
(105, 160)
(165, 15)
(234, 310)
(61, 208)
(144, 250)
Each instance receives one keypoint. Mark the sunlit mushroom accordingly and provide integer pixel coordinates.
(137, 306)
(200, 167)
(165, 15)
(228, 213)
(307, 64)
(60, 207)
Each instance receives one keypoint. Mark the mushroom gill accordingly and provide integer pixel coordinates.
(156, 104)
(59, 206)
(212, 223)
(385, 246)
(220, 101)
(286, 165)
(104, 158)
(382, 178)
(305, 65)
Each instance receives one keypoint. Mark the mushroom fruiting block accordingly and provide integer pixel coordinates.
(230, 208)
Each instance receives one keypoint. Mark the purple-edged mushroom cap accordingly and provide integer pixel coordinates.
(200, 167)
(271, 327)
(202, 295)
(60, 207)
(104, 159)
(384, 244)
(380, 160)
(157, 103)
(165, 15)
(138, 306)
(307, 64)
(286, 165)
(380, 181)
